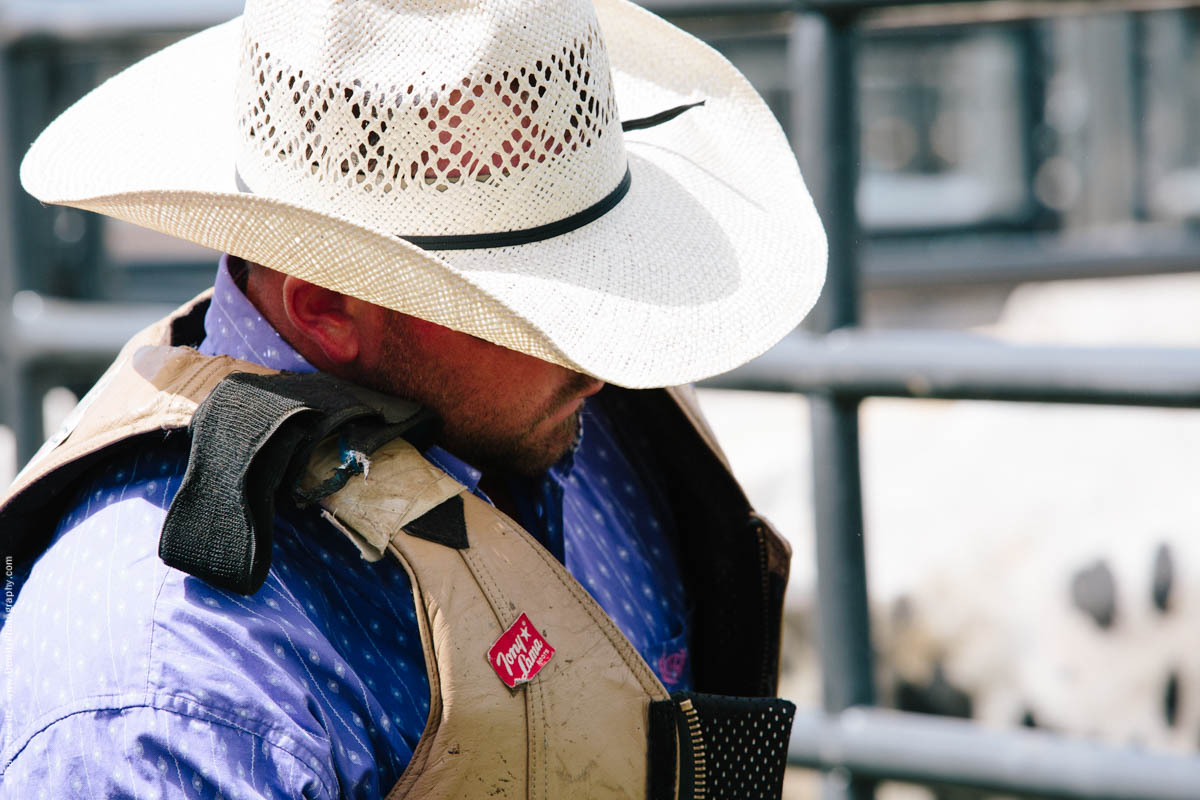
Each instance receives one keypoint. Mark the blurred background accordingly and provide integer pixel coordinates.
(1012, 191)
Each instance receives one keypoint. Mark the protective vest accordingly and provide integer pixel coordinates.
(591, 721)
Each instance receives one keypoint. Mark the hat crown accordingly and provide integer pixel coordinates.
(429, 118)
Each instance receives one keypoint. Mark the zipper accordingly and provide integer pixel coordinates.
(766, 677)
(696, 739)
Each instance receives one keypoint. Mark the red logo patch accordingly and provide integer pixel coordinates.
(520, 653)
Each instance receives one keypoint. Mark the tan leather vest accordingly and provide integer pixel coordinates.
(579, 727)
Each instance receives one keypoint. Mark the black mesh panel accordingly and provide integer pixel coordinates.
(730, 748)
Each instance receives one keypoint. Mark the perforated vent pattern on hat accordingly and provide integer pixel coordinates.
(528, 130)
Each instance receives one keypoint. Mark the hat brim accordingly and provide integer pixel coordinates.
(713, 256)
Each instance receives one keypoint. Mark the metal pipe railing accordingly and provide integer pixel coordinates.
(51, 328)
(843, 614)
(920, 748)
(10, 396)
(856, 363)
(45, 337)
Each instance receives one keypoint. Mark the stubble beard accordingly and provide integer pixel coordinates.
(470, 429)
(527, 453)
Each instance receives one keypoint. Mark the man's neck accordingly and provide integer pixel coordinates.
(495, 485)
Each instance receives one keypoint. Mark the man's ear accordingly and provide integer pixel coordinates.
(325, 318)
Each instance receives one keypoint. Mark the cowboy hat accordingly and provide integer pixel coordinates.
(465, 163)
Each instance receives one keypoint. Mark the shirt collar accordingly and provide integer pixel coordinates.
(234, 327)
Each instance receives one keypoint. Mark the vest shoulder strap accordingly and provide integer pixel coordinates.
(552, 736)
(251, 439)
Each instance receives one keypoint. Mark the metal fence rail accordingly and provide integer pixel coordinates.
(857, 744)
(916, 747)
(845, 365)
(855, 363)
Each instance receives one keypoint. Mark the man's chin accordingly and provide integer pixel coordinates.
(533, 457)
(529, 455)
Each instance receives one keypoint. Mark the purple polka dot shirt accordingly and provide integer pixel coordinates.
(130, 679)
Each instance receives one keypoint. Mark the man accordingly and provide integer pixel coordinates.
(438, 203)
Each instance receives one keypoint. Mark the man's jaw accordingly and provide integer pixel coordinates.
(575, 400)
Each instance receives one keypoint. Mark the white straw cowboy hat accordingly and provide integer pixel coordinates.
(464, 162)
